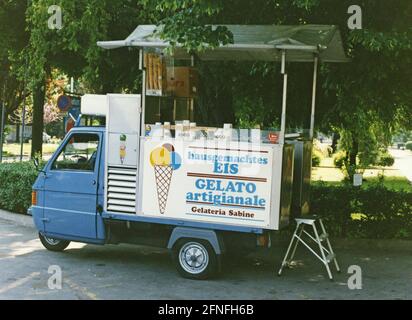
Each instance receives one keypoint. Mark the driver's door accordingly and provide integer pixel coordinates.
(71, 187)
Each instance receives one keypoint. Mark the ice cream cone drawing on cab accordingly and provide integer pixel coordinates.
(122, 151)
(164, 160)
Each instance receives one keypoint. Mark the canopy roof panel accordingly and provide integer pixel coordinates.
(252, 42)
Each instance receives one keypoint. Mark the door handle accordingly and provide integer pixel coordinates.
(94, 182)
(45, 219)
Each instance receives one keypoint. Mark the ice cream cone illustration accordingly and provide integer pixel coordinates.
(164, 161)
(122, 151)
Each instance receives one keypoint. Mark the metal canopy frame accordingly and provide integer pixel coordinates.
(251, 42)
(303, 43)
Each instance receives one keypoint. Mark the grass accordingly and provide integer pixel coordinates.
(392, 183)
(13, 149)
(393, 179)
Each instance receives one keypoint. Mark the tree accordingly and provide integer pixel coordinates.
(73, 50)
(365, 101)
(369, 96)
(12, 41)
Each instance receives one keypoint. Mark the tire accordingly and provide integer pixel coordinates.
(53, 244)
(195, 259)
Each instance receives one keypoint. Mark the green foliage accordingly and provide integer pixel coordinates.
(12, 41)
(306, 4)
(386, 160)
(319, 152)
(316, 158)
(185, 22)
(339, 159)
(408, 145)
(16, 180)
(251, 113)
(372, 212)
(368, 98)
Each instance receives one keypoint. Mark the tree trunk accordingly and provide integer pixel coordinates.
(37, 128)
(17, 140)
(335, 139)
(351, 156)
(354, 152)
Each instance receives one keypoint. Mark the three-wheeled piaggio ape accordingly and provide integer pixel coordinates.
(123, 176)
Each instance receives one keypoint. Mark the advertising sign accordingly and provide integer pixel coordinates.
(207, 182)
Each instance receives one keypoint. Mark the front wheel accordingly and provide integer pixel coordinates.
(195, 259)
(53, 244)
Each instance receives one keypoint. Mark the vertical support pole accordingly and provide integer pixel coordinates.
(174, 110)
(3, 109)
(312, 114)
(284, 98)
(23, 125)
(143, 103)
(192, 100)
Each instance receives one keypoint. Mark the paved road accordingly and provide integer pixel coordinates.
(403, 162)
(134, 272)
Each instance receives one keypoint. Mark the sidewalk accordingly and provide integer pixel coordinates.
(20, 219)
(403, 161)
(115, 271)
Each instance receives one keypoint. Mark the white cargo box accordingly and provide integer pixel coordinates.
(237, 184)
(94, 105)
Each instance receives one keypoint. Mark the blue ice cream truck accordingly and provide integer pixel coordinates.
(198, 191)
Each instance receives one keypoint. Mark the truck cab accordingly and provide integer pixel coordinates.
(68, 193)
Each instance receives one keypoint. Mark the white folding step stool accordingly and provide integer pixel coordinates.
(326, 254)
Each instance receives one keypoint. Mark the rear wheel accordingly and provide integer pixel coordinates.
(53, 244)
(195, 259)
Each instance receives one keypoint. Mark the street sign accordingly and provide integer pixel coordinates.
(64, 103)
(357, 179)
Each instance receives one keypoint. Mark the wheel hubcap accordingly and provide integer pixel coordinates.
(193, 257)
(52, 241)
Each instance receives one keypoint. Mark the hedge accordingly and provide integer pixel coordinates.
(16, 180)
(372, 212)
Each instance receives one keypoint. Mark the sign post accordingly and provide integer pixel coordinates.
(3, 109)
(70, 105)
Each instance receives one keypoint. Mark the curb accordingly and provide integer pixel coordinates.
(20, 219)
